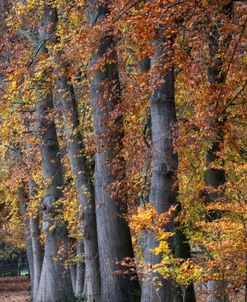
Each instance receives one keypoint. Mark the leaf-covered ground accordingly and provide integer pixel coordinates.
(14, 289)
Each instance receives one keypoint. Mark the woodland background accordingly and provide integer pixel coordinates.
(123, 148)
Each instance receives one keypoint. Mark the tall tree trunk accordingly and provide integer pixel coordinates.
(113, 232)
(72, 270)
(82, 179)
(163, 191)
(55, 281)
(80, 274)
(215, 177)
(77, 272)
(22, 197)
(37, 251)
(32, 233)
(84, 188)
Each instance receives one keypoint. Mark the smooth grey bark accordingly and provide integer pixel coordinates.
(22, 198)
(77, 272)
(80, 274)
(216, 177)
(84, 188)
(163, 190)
(113, 233)
(55, 280)
(81, 175)
(37, 251)
(164, 166)
(72, 270)
(32, 232)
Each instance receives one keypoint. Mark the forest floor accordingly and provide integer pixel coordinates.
(14, 289)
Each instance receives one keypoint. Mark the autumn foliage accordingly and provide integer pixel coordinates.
(206, 48)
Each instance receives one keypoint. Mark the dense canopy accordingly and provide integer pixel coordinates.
(123, 148)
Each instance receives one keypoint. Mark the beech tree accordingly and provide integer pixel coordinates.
(163, 191)
(54, 280)
(215, 177)
(113, 232)
(123, 148)
(82, 178)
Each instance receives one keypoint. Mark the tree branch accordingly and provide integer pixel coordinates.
(31, 36)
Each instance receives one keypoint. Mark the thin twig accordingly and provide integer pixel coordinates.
(232, 100)
(125, 11)
(39, 48)
(230, 63)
